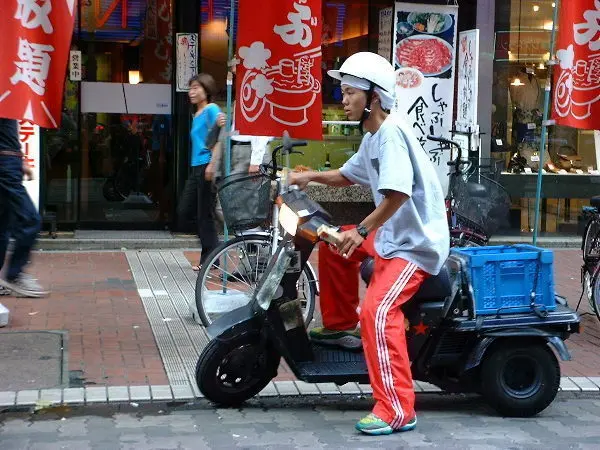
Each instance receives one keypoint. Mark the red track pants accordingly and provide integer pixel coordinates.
(393, 283)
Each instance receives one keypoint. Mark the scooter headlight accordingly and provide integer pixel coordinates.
(288, 219)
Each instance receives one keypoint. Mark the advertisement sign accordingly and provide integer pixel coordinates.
(29, 135)
(576, 101)
(36, 38)
(384, 43)
(424, 59)
(468, 74)
(75, 68)
(279, 76)
(187, 59)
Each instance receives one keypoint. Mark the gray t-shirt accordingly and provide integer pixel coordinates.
(393, 160)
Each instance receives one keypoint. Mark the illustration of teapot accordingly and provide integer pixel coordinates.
(287, 89)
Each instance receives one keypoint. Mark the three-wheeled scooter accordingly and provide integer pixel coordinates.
(509, 357)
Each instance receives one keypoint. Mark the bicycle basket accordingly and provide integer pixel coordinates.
(245, 200)
(486, 213)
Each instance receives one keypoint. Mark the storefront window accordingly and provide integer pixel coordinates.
(111, 160)
(523, 30)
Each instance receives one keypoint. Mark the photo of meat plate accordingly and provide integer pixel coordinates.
(431, 55)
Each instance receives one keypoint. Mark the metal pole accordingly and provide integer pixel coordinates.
(227, 162)
(227, 159)
(551, 62)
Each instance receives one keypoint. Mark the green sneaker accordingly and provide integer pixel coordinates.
(409, 426)
(349, 340)
(374, 426)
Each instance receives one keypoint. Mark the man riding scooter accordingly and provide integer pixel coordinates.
(407, 235)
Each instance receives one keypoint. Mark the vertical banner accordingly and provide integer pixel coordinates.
(384, 42)
(423, 56)
(468, 75)
(279, 74)
(158, 43)
(577, 77)
(29, 135)
(187, 60)
(36, 38)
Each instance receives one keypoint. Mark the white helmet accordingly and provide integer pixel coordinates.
(369, 66)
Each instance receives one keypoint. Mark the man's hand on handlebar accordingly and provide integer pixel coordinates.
(351, 240)
(300, 179)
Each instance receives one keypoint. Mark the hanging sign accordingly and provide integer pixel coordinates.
(468, 75)
(577, 76)
(279, 75)
(187, 59)
(36, 38)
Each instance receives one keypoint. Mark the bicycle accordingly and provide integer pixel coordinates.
(590, 247)
(476, 205)
(232, 271)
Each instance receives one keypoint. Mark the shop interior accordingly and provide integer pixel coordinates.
(522, 50)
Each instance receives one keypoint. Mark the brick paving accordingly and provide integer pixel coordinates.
(110, 341)
(95, 299)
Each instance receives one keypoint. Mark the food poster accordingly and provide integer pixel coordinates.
(424, 59)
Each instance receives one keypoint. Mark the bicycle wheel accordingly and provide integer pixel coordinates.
(587, 286)
(591, 241)
(243, 260)
(595, 289)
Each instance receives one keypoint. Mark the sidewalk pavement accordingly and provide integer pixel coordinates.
(445, 422)
(129, 328)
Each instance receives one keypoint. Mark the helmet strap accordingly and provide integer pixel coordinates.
(367, 112)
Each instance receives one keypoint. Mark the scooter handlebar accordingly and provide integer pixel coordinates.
(329, 234)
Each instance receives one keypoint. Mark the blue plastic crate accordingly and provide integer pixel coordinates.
(503, 277)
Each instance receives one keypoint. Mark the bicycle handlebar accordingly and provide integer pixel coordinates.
(288, 143)
(450, 144)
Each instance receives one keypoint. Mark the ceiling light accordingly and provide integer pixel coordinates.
(517, 82)
(536, 8)
(134, 76)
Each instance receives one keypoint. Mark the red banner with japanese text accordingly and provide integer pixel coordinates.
(577, 76)
(279, 73)
(36, 38)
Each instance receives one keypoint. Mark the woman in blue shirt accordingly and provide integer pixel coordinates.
(198, 198)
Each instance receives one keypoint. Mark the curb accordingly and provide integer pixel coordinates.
(65, 244)
(183, 242)
(46, 398)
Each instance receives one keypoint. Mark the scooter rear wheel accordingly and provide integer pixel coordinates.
(520, 380)
(230, 372)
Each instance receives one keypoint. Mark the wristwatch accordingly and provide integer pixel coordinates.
(362, 230)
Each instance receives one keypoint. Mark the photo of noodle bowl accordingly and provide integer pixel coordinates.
(408, 78)
(430, 55)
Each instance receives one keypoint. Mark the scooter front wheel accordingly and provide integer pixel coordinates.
(230, 372)
(520, 380)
